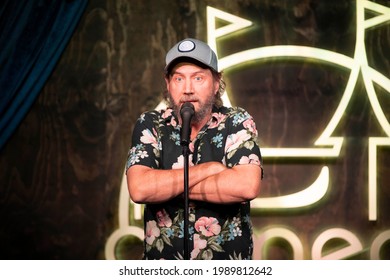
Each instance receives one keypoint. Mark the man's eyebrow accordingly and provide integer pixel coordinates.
(193, 73)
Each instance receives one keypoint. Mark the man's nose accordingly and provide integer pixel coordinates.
(188, 87)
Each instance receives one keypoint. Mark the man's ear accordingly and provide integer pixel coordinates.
(216, 84)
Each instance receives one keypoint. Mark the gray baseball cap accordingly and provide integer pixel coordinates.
(192, 49)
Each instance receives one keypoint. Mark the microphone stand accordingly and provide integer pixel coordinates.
(186, 152)
(186, 112)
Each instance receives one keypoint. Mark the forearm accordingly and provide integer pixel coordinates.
(237, 184)
(148, 185)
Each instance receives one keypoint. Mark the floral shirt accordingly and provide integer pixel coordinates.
(216, 231)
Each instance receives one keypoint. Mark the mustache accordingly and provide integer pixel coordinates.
(188, 99)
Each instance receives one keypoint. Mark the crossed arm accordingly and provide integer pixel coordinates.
(211, 182)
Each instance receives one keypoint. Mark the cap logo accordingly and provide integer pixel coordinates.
(186, 46)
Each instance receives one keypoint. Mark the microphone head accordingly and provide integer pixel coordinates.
(186, 112)
(187, 108)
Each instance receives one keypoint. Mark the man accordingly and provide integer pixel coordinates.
(225, 164)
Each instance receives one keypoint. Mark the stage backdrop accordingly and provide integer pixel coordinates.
(315, 76)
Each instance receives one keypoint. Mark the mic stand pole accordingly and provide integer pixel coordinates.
(186, 152)
(186, 112)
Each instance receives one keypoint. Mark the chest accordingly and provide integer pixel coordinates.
(208, 145)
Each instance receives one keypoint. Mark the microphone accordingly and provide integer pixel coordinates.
(187, 111)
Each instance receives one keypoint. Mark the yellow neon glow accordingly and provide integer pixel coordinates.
(124, 227)
(306, 197)
(260, 241)
(377, 244)
(354, 246)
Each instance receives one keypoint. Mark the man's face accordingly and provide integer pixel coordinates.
(191, 83)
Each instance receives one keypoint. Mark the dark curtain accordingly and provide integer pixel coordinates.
(33, 35)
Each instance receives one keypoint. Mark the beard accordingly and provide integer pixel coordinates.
(203, 111)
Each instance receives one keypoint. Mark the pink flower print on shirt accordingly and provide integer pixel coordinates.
(149, 138)
(199, 244)
(219, 117)
(180, 162)
(151, 232)
(233, 141)
(167, 113)
(250, 125)
(251, 159)
(163, 219)
(207, 226)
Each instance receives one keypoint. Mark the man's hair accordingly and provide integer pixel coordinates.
(216, 75)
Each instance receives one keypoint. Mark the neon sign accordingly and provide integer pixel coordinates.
(327, 146)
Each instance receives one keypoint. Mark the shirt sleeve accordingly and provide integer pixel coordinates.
(241, 145)
(145, 149)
